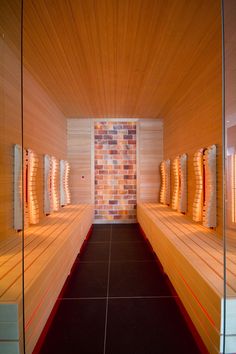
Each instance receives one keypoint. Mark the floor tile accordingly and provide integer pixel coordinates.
(102, 226)
(101, 233)
(147, 326)
(78, 327)
(126, 226)
(137, 279)
(126, 233)
(88, 280)
(131, 251)
(95, 252)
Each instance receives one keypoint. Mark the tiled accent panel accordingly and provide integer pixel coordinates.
(115, 171)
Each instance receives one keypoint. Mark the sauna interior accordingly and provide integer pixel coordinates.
(117, 115)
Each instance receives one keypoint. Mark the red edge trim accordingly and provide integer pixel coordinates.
(189, 322)
(45, 330)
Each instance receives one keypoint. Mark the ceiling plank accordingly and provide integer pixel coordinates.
(119, 58)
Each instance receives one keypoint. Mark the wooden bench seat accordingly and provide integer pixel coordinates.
(193, 258)
(50, 251)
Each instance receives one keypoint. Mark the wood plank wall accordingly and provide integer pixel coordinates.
(10, 107)
(80, 148)
(150, 154)
(44, 128)
(80, 152)
(44, 124)
(195, 119)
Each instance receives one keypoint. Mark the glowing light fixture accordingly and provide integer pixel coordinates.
(182, 199)
(31, 187)
(18, 188)
(198, 197)
(25, 194)
(232, 161)
(209, 208)
(47, 184)
(55, 184)
(175, 194)
(165, 182)
(64, 182)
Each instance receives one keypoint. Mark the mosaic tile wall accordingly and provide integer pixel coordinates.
(115, 171)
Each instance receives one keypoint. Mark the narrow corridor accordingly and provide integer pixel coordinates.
(118, 301)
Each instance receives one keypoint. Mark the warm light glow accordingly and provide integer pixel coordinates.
(233, 187)
(18, 203)
(209, 209)
(182, 200)
(165, 182)
(198, 198)
(25, 183)
(18, 188)
(55, 184)
(47, 184)
(64, 182)
(31, 190)
(175, 194)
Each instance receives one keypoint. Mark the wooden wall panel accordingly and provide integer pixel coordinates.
(44, 128)
(10, 107)
(195, 119)
(113, 58)
(150, 154)
(10, 134)
(80, 152)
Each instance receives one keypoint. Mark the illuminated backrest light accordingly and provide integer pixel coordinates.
(30, 203)
(64, 182)
(47, 184)
(209, 208)
(31, 187)
(165, 182)
(18, 191)
(182, 199)
(55, 184)
(175, 194)
(232, 161)
(198, 197)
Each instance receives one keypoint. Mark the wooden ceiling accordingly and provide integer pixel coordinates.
(230, 62)
(119, 58)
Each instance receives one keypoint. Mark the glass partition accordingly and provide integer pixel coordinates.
(11, 191)
(229, 73)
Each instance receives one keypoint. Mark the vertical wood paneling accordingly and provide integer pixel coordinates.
(44, 128)
(195, 121)
(80, 156)
(150, 155)
(10, 107)
(10, 134)
(118, 58)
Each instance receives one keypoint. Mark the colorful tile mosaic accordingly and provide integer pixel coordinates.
(115, 171)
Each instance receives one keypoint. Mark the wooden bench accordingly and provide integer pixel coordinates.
(50, 251)
(192, 257)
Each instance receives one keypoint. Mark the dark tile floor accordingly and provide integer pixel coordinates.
(118, 301)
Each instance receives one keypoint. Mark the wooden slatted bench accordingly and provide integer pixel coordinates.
(192, 257)
(49, 253)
